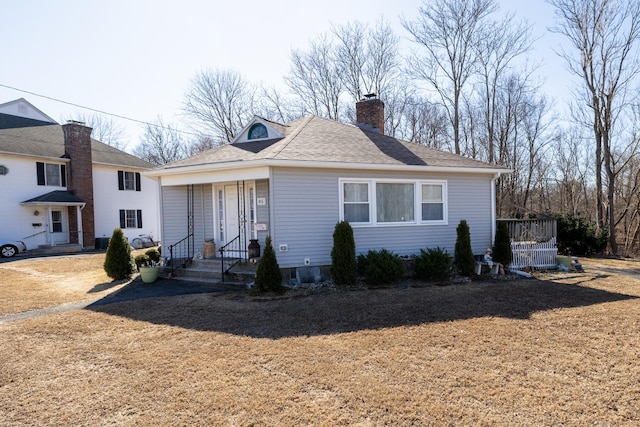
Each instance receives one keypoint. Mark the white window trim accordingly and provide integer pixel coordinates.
(417, 199)
(370, 197)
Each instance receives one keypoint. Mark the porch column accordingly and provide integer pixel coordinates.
(79, 220)
(49, 225)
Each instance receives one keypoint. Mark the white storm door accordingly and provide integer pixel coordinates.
(231, 217)
(59, 226)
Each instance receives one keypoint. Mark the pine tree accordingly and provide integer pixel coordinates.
(463, 255)
(502, 246)
(343, 255)
(268, 274)
(118, 263)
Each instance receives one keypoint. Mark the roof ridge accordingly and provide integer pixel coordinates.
(291, 137)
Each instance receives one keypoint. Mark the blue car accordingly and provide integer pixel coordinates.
(9, 248)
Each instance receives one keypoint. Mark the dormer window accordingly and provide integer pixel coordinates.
(258, 131)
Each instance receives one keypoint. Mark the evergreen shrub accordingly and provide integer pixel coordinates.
(502, 245)
(579, 236)
(343, 255)
(380, 268)
(118, 263)
(463, 256)
(433, 264)
(268, 274)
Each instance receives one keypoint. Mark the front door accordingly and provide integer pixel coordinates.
(59, 226)
(235, 215)
(231, 217)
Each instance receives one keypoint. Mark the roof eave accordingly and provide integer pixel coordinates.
(232, 165)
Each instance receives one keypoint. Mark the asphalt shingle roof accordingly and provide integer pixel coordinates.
(317, 139)
(57, 196)
(48, 141)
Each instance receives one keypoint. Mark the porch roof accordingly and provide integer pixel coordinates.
(57, 197)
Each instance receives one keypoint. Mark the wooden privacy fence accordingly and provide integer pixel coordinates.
(534, 254)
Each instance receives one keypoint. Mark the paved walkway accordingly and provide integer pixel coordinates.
(131, 292)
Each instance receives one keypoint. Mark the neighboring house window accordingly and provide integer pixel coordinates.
(51, 174)
(383, 202)
(130, 218)
(356, 202)
(129, 181)
(3, 170)
(258, 131)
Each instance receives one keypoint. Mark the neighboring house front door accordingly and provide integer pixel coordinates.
(59, 227)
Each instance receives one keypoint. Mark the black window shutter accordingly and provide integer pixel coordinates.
(139, 214)
(120, 180)
(123, 219)
(63, 175)
(138, 188)
(40, 171)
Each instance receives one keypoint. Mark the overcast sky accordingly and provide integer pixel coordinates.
(135, 58)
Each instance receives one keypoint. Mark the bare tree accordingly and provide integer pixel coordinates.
(369, 58)
(220, 103)
(315, 79)
(105, 129)
(161, 144)
(448, 30)
(604, 34)
(496, 49)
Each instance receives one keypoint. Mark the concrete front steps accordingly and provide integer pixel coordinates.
(57, 249)
(210, 271)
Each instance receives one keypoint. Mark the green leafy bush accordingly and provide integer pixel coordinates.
(463, 256)
(433, 264)
(118, 263)
(154, 255)
(268, 274)
(343, 255)
(578, 236)
(502, 246)
(141, 260)
(380, 268)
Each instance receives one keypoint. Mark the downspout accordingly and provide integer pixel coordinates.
(79, 210)
(493, 207)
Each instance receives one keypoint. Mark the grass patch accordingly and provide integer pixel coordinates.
(562, 350)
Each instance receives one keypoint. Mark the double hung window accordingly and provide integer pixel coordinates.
(393, 202)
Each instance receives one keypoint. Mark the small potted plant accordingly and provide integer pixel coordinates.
(149, 265)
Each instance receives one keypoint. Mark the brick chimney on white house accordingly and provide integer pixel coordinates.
(77, 148)
(370, 113)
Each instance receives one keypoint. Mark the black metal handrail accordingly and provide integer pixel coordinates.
(235, 247)
(181, 253)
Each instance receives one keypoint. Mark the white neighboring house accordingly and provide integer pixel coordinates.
(61, 188)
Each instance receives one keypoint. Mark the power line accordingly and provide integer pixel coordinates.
(98, 111)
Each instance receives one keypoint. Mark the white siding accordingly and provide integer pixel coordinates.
(108, 200)
(19, 185)
(306, 209)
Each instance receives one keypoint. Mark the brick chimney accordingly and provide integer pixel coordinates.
(370, 113)
(77, 147)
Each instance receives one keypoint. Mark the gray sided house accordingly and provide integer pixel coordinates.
(295, 181)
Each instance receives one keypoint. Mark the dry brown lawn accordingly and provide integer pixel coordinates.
(562, 349)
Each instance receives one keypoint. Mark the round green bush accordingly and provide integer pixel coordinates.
(433, 264)
(380, 268)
